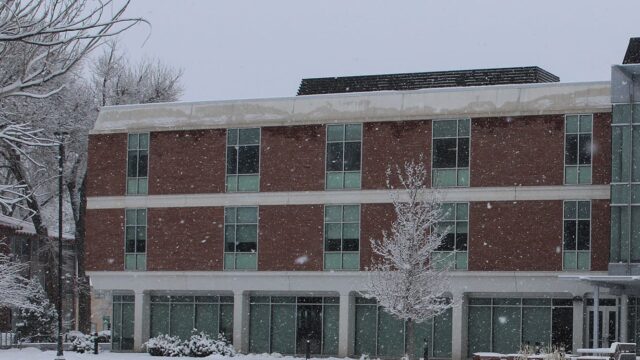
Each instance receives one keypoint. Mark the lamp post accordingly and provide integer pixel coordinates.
(61, 138)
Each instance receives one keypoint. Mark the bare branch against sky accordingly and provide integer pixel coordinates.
(245, 49)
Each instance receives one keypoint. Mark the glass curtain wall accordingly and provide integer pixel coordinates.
(179, 315)
(283, 324)
(380, 334)
(504, 325)
(122, 335)
(625, 184)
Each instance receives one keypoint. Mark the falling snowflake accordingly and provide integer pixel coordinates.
(502, 319)
(302, 260)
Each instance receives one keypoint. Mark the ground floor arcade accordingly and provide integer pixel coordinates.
(278, 312)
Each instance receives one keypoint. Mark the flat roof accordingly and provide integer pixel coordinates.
(440, 103)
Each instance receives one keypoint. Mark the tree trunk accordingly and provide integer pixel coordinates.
(411, 340)
(83, 290)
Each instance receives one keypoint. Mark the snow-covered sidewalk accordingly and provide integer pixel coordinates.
(35, 354)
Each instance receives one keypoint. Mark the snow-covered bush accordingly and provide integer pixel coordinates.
(83, 343)
(201, 345)
(198, 345)
(165, 345)
(37, 324)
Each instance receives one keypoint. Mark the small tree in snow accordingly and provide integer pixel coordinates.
(37, 324)
(16, 291)
(403, 279)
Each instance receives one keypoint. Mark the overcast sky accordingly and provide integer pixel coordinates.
(240, 49)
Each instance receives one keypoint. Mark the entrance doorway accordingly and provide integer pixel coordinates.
(309, 328)
(608, 326)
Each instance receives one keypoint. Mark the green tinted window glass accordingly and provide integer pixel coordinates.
(335, 132)
(330, 322)
(207, 318)
(333, 213)
(341, 237)
(536, 325)
(283, 328)
(462, 211)
(249, 136)
(241, 238)
(506, 329)
(445, 128)
(442, 335)
(259, 328)
(390, 335)
(572, 124)
(353, 132)
(232, 136)
(247, 214)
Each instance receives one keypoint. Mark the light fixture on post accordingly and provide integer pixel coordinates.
(61, 137)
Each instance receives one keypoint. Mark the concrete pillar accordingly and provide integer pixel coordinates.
(346, 325)
(624, 317)
(459, 327)
(578, 324)
(241, 321)
(596, 315)
(140, 319)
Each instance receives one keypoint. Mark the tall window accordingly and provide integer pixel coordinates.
(137, 164)
(180, 315)
(576, 246)
(380, 334)
(135, 257)
(288, 324)
(450, 160)
(503, 325)
(344, 150)
(123, 314)
(452, 253)
(625, 184)
(240, 238)
(577, 149)
(243, 160)
(342, 237)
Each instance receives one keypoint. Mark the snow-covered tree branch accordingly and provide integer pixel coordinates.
(41, 40)
(403, 279)
(16, 289)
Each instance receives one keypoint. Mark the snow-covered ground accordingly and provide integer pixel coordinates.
(35, 354)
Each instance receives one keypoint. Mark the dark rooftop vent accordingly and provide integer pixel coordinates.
(426, 80)
(633, 52)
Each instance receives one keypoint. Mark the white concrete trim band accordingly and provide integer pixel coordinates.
(442, 103)
(505, 193)
(482, 283)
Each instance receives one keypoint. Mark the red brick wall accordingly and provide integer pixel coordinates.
(601, 159)
(392, 143)
(600, 234)
(104, 248)
(182, 239)
(515, 236)
(527, 150)
(291, 238)
(106, 165)
(187, 162)
(292, 158)
(375, 218)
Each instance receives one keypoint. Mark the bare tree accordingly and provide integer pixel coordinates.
(117, 82)
(403, 278)
(41, 40)
(41, 43)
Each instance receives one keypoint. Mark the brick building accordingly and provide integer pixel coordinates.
(253, 217)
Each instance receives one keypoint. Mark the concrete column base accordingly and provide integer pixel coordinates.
(346, 325)
(241, 322)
